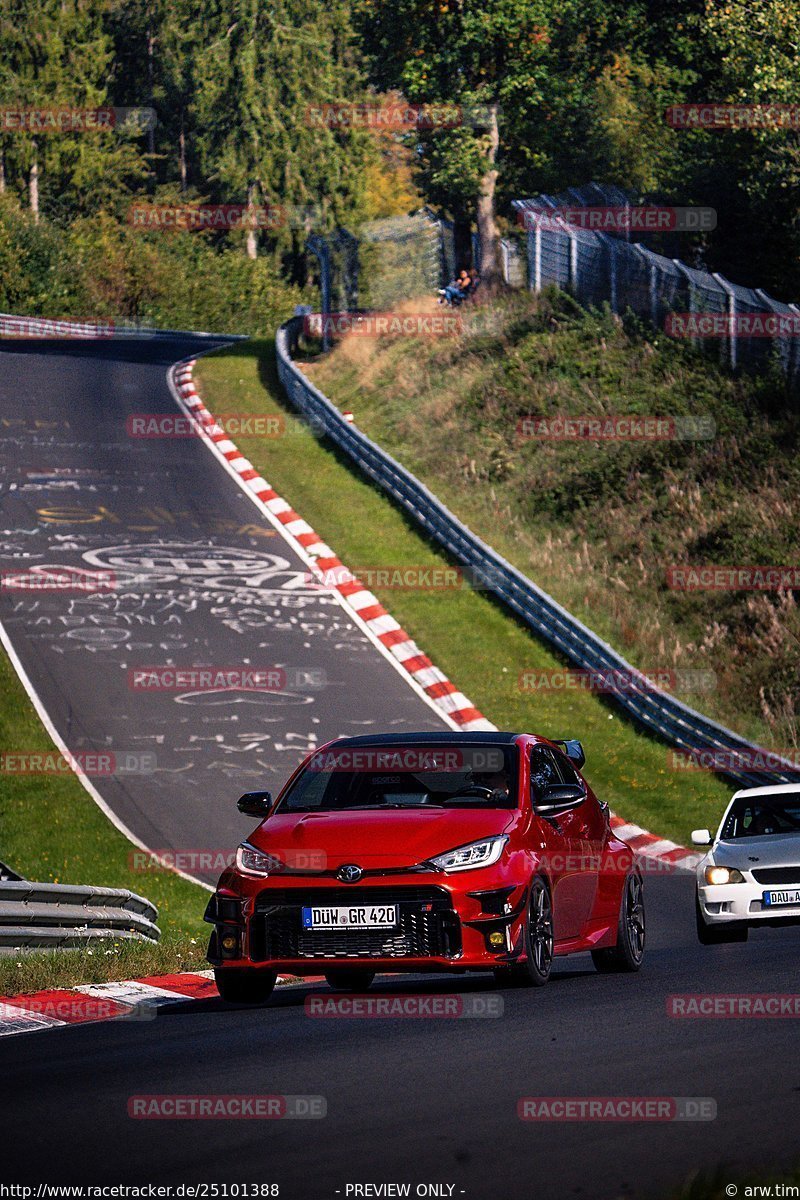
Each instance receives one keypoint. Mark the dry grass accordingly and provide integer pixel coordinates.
(597, 524)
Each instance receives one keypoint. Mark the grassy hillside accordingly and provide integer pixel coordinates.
(475, 641)
(598, 523)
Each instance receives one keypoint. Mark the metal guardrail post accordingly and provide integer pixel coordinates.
(794, 349)
(317, 246)
(573, 261)
(684, 270)
(652, 283)
(731, 307)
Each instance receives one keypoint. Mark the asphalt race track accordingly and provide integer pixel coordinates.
(201, 579)
(429, 1100)
(409, 1101)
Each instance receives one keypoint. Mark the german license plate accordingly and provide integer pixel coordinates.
(774, 899)
(357, 916)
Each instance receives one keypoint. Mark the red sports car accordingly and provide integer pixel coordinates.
(426, 852)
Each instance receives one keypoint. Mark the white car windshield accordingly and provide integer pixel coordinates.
(760, 816)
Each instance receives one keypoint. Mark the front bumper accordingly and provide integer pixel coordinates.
(470, 920)
(727, 903)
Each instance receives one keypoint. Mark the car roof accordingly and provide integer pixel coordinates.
(767, 791)
(447, 735)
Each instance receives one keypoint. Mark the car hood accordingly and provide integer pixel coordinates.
(373, 838)
(770, 850)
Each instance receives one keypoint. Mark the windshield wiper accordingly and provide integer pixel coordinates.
(391, 804)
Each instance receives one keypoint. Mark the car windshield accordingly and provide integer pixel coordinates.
(759, 816)
(347, 779)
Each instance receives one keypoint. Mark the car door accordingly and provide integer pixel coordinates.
(571, 853)
(588, 824)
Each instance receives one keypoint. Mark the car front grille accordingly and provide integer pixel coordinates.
(777, 875)
(427, 928)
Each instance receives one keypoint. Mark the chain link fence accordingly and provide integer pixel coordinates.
(600, 268)
(401, 257)
(393, 260)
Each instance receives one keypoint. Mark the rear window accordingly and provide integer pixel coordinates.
(760, 816)
(349, 778)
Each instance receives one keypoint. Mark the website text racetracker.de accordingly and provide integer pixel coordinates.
(137, 1191)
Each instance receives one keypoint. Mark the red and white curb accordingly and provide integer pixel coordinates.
(130, 999)
(660, 852)
(371, 615)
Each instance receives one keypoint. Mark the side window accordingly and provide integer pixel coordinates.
(566, 770)
(544, 771)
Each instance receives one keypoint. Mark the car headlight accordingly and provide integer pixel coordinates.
(467, 858)
(255, 862)
(723, 875)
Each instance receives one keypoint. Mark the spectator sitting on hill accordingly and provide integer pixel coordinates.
(456, 291)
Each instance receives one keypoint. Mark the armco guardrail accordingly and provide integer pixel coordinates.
(652, 709)
(55, 915)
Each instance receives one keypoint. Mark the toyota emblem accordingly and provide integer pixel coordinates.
(349, 873)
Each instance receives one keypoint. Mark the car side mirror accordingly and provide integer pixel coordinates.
(701, 837)
(255, 804)
(558, 797)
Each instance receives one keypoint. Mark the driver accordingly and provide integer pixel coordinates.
(496, 781)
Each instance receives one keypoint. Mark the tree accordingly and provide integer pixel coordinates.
(58, 55)
(485, 59)
(260, 74)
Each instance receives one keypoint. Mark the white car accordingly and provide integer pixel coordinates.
(751, 874)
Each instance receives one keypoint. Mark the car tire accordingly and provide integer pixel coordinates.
(717, 935)
(349, 979)
(535, 970)
(628, 953)
(241, 985)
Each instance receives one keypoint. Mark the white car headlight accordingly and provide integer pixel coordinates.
(723, 875)
(255, 862)
(467, 858)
